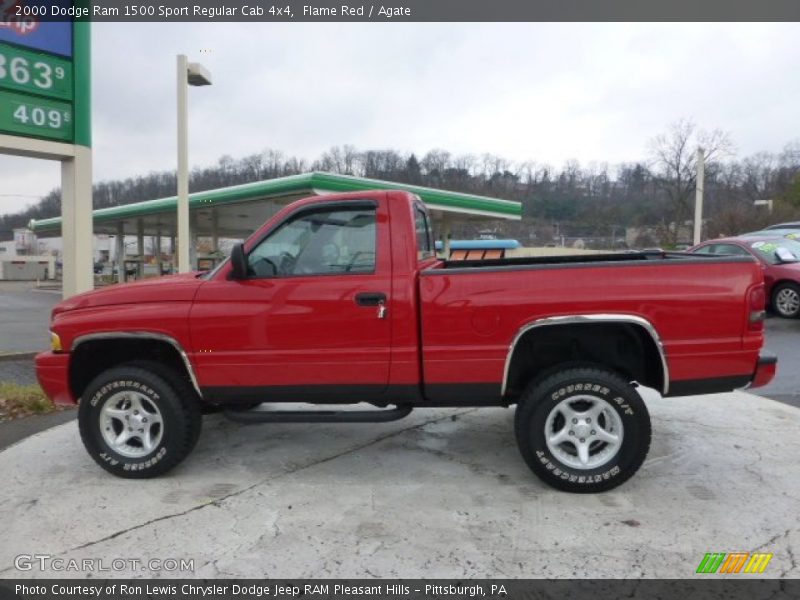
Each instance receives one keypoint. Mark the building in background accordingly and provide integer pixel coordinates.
(20, 259)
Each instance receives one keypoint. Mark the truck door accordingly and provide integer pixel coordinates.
(312, 320)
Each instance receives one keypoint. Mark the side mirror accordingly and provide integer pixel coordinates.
(238, 262)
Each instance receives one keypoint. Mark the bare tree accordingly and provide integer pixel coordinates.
(675, 164)
(435, 162)
(759, 173)
(790, 157)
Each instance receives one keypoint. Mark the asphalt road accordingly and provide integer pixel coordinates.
(24, 317)
(783, 338)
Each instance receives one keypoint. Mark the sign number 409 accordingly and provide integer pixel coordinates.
(41, 117)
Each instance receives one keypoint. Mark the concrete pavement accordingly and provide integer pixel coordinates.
(443, 493)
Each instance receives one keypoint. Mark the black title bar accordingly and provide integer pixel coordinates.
(701, 587)
(403, 10)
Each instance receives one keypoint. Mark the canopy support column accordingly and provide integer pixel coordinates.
(76, 212)
(140, 249)
(120, 252)
(158, 255)
(193, 238)
(446, 234)
(214, 231)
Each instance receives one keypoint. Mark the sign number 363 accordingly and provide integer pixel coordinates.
(21, 72)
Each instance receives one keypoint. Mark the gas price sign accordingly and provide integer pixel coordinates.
(37, 79)
(33, 73)
(38, 117)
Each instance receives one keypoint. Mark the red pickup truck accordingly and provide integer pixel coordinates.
(341, 300)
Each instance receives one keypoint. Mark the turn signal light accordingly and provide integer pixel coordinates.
(55, 342)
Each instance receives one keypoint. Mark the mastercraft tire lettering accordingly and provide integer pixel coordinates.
(583, 429)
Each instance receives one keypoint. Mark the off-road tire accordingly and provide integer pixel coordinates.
(544, 395)
(163, 388)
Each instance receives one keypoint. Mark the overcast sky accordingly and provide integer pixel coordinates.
(541, 92)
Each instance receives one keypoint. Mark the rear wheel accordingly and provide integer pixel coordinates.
(139, 420)
(583, 430)
(786, 300)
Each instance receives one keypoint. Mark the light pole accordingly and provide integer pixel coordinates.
(698, 196)
(197, 75)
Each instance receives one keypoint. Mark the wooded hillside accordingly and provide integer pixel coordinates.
(594, 201)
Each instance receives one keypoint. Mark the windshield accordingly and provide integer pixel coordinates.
(792, 234)
(768, 249)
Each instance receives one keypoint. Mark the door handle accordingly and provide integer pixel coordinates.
(370, 298)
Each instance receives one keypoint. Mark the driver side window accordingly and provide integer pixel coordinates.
(321, 242)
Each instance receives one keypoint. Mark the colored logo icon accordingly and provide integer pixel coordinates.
(734, 562)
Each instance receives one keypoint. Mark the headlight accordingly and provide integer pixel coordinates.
(55, 342)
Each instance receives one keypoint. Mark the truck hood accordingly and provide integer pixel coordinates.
(172, 288)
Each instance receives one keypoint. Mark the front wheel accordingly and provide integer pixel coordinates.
(139, 420)
(583, 430)
(786, 300)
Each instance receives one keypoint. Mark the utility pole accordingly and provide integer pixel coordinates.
(698, 195)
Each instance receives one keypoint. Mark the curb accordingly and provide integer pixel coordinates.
(14, 356)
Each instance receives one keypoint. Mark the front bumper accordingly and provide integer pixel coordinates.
(766, 367)
(52, 371)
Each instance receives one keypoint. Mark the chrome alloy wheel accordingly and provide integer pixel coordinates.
(131, 424)
(787, 302)
(584, 432)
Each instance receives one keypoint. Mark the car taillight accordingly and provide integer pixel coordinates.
(756, 306)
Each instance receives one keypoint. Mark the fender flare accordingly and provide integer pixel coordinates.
(588, 319)
(143, 335)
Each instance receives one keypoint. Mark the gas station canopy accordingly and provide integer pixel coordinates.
(237, 211)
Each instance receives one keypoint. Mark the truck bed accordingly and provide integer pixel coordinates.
(472, 311)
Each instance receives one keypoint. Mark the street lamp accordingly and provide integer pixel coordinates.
(196, 75)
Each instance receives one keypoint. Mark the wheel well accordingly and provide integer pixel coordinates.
(93, 357)
(779, 282)
(625, 348)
